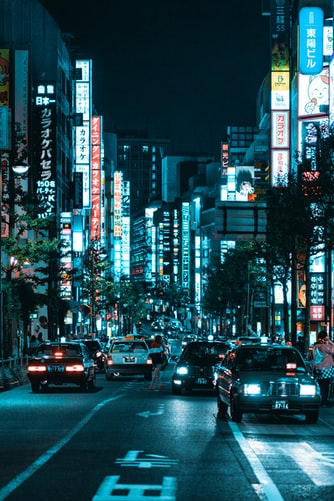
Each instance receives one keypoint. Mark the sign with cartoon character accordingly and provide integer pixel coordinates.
(244, 183)
(313, 93)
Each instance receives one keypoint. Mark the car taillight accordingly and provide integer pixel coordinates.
(75, 368)
(149, 361)
(109, 361)
(36, 368)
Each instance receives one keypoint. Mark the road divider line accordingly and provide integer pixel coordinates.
(44, 458)
(269, 488)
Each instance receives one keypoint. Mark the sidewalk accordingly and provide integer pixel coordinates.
(10, 377)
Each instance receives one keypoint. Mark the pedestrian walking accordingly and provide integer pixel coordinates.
(157, 354)
(33, 344)
(323, 364)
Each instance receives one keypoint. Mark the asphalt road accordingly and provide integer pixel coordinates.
(124, 442)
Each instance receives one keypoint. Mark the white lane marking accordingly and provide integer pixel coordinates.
(149, 461)
(269, 488)
(44, 458)
(319, 466)
(111, 490)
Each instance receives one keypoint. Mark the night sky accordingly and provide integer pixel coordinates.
(179, 69)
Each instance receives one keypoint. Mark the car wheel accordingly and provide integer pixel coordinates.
(176, 390)
(148, 376)
(312, 417)
(35, 387)
(222, 408)
(236, 413)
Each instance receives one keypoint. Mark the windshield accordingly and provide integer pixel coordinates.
(204, 351)
(127, 347)
(64, 350)
(271, 359)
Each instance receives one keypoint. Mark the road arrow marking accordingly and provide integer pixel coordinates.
(133, 459)
(146, 414)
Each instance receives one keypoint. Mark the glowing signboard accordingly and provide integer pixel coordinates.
(311, 21)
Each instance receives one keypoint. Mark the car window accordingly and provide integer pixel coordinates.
(204, 351)
(271, 359)
(128, 347)
(66, 350)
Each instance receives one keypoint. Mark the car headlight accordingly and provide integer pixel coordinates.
(252, 389)
(182, 371)
(308, 390)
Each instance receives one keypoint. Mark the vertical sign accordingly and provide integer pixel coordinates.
(83, 105)
(311, 22)
(45, 147)
(280, 95)
(21, 107)
(185, 246)
(95, 219)
(4, 158)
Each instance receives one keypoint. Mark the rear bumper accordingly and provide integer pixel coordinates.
(57, 379)
(128, 369)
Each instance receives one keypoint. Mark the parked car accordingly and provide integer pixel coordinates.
(266, 379)
(196, 366)
(128, 357)
(97, 351)
(61, 363)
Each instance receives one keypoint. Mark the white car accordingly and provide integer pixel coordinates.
(175, 324)
(128, 357)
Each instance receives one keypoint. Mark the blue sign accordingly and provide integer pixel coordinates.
(311, 22)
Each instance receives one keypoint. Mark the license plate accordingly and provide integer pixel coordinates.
(56, 368)
(280, 405)
(201, 380)
(130, 359)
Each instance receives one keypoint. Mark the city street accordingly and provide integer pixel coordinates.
(123, 441)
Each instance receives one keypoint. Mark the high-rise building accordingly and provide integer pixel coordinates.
(140, 160)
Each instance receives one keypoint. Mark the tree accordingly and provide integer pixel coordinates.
(300, 225)
(30, 257)
(231, 285)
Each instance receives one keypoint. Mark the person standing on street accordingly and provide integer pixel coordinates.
(323, 367)
(157, 353)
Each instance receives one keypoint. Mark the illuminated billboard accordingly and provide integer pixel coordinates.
(45, 148)
(83, 105)
(185, 246)
(280, 32)
(280, 129)
(279, 167)
(95, 213)
(280, 90)
(4, 80)
(66, 265)
(311, 21)
(313, 93)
